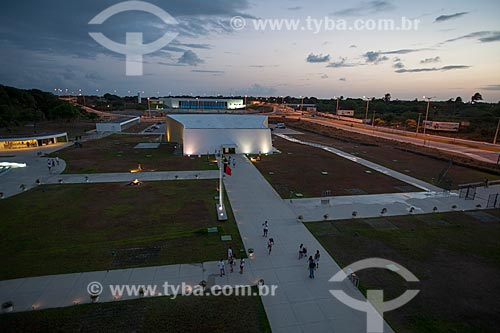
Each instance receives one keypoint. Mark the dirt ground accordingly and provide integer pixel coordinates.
(454, 255)
(116, 153)
(299, 169)
(421, 163)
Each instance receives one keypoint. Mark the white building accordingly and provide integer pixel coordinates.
(203, 103)
(117, 125)
(200, 134)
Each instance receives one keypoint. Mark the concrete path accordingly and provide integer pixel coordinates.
(36, 168)
(52, 291)
(128, 177)
(340, 208)
(301, 304)
(402, 177)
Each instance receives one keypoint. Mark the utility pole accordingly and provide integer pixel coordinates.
(496, 133)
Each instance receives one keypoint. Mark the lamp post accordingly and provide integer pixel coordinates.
(427, 111)
(496, 133)
(373, 120)
(149, 109)
(418, 122)
(337, 107)
(367, 107)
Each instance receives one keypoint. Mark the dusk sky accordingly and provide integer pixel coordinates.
(454, 52)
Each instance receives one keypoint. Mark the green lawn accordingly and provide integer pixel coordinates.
(456, 257)
(116, 153)
(71, 228)
(158, 314)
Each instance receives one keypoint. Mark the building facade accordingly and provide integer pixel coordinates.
(203, 103)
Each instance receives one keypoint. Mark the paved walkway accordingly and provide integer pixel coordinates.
(398, 175)
(301, 304)
(128, 177)
(340, 208)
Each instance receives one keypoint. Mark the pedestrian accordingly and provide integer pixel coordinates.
(234, 163)
(270, 244)
(300, 251)
(266, 228)
(57, 160)
(231, 263)
(229, 252)
(316, 259)
(242, 265)
(312, 265)
(222, 268)
(304, 252)
(49, 164)
(53, 163)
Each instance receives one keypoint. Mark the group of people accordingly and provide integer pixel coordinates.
(270, 241)
(52, 162)
(312, 262)
(231, 259)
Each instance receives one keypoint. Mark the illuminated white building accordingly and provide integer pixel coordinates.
(200, 134)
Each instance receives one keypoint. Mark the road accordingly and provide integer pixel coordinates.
(480, 151)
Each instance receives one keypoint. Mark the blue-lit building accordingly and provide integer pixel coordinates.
(203, 103)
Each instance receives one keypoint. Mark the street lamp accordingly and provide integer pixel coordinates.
(337, 107)
(427, 111)
(302, 104)
(367, 107)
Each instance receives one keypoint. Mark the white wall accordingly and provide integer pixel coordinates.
(248, 141)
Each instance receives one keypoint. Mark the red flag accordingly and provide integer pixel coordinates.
(227, 170)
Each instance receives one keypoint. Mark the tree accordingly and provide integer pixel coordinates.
(458, 100)
(387, 97)
(477, 97)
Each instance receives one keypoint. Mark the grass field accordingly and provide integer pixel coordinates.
(456, 257)
(422, 163)
(299, 169)
(72, 228)
(159, 314)
(116, 153)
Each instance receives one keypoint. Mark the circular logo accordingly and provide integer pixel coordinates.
(238, 23)
(94, 288)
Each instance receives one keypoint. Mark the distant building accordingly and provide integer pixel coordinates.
(32, 141)
(203, 103)
(200, 134)
(117, 125)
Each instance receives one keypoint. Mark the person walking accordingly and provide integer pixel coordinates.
(49, 164)
(316, 259)
(57, 160)
(270, 244)
(229, 252)
(312, 265)
(231, 263)
(301, 254)
(266, 228)
(304, 252)
(222, 268)
(242, 265)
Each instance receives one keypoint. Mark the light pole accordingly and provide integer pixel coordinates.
(149, 109)
(496, 133)
(367, 107)
(337, 107)
(427, 111)
(418, 122)
(373, 120)
(246, 102)
(302, 104)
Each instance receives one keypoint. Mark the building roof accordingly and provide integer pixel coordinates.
(120, 120)
(220, 121)
(40, 136)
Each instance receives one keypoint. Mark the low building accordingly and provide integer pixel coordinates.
(201, 134)
(117, 125)
(32, 141)
(203, 103)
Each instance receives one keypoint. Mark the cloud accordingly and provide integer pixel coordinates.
(259, 90)
(492, 87)
(295, 8)
(353, 46)
(342, 62)
(318, 58)
(430, 60)
(434, 69)
(443, 18)
(207, 71)
(190, 58)
(191, 45)
(343, 79)
(482, 36)
(376, 57)
(398, 65)
(324, 76)
(93, 76)
(366, 8)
